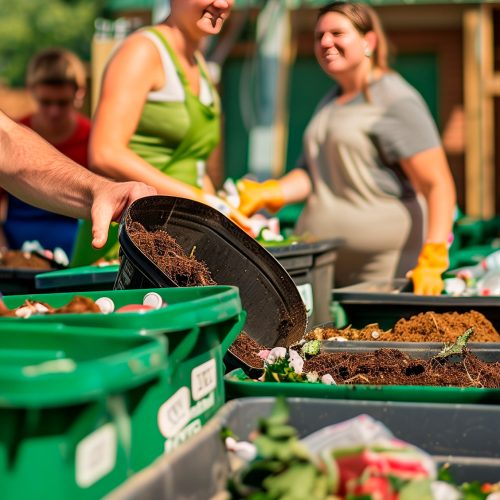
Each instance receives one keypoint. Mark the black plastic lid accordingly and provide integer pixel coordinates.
(276, 314)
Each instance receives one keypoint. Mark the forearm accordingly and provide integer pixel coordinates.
(122, 164)
(430, 175)
(440, 217)
(33, 170)
(440, 209)
(296, 186)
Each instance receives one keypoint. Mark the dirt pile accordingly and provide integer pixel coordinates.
(423, 327)
(393, 367)
(247, 350)
(15, 259)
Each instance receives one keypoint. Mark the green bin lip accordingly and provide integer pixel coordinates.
(77, 276)
(91, 379)
(399, 393)
(187, 307)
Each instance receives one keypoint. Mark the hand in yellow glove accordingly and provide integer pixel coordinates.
(432, 262)
(255, 195)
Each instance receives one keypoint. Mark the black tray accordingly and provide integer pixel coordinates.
(275, 311)
(487, 351)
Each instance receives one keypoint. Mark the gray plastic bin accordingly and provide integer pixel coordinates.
(466, 437)
(312, 268)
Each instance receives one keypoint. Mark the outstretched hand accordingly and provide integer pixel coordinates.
(110, 201)
(255, 196)
(426, 276)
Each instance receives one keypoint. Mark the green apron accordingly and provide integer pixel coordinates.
(176, 157)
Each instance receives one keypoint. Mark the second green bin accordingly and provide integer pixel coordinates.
(67, 398)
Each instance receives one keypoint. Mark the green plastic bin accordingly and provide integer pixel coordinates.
(67, 396)
(77, 279)
(84, 253)
(200, 323)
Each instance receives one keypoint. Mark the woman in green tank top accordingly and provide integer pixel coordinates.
(158, 116)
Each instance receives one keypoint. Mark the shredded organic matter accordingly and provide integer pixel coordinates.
(164, 251)
(394, 367)
(424, 327)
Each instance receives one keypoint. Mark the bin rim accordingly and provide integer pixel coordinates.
(244, 386)
(76, 276)
(212, 305)
(62, 381)
(304, 248)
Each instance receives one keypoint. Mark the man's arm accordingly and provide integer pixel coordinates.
(33, 170)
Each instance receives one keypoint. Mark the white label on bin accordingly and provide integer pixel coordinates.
(174, 414)
(307, 297)
(189, 431)
(204, 379)
(95, 456)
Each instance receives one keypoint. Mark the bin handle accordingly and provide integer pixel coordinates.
(187, 341)
(234, 332)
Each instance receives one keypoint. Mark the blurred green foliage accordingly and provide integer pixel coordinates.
(28, 26)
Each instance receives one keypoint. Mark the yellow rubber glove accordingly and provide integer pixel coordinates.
(432, 262)
(255, 195)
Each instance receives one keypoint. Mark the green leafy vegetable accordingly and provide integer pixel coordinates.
(281, 371)
(311, 348)
(457, 347)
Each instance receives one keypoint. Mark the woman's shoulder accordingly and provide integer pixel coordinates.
(137, 50)
(142, 39)
(391, 87)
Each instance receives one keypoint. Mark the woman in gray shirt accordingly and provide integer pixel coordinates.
(373, 171)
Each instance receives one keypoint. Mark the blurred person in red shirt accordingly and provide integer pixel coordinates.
(56, 79)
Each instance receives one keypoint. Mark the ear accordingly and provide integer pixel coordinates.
(370, 40)
(79, 97)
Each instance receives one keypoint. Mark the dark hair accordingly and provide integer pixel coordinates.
(56, 66)
(364, 19)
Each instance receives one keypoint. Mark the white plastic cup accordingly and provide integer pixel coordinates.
(105, 304)
(153, 299)
(454, 286)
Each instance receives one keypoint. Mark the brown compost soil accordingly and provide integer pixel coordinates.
(393, 367)
(423, 327)
(386, 367)
(247, 350)
(77, 305)
(169, 257)
(15, 259)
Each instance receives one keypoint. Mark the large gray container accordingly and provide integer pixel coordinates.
(467, 437)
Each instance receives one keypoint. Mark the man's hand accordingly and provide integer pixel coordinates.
(432, 262)
(110, 201)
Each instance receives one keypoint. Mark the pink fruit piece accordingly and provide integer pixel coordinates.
(134, 308)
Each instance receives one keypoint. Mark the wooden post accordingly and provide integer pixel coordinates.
(488, 119)
(286, 59)
(478, 75)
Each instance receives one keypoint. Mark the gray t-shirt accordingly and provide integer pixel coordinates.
(357, 142)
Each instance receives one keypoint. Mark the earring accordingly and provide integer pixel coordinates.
(368, 51)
